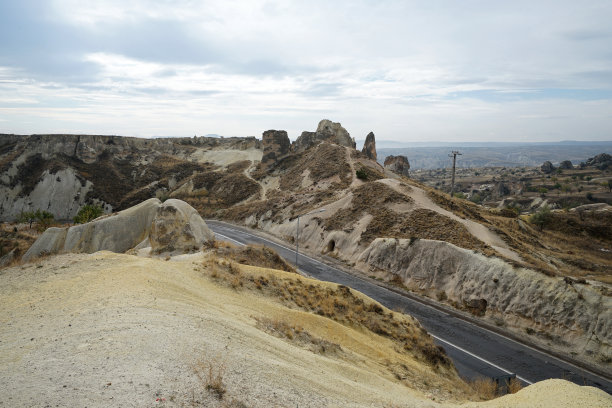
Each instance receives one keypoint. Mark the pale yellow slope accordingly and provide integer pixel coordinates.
(118, 330)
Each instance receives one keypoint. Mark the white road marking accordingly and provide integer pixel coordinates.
(230, 239)
(479, 358)
(426, 305)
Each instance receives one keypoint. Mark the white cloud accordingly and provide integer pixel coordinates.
(407, 70)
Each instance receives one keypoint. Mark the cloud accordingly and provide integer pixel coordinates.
(411, 69)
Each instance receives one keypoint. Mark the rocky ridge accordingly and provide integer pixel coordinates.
(230, 183)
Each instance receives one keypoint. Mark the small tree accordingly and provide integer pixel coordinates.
(87, 213)
(43, 218)
(542, 217)
(26, 217)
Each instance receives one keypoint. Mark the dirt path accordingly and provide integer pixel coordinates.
(478, 230)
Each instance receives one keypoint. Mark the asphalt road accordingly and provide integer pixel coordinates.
(476, 351)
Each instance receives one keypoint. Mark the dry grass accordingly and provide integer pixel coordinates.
(16, 237)
(462, 208)
(298, 335)
(254, 255)
(570, 245)
(514, 386)
(324, 161)
(485, 388)
(337, 303)
(210, 372)
(369, 198)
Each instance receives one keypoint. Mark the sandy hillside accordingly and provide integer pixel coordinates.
(118, 330)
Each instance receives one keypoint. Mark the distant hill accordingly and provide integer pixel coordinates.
(426, 156)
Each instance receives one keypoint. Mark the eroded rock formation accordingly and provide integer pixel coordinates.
(177, 226)
(398, 165)
(326, 131)
(547, 167)
(369, 147)
(522, 298)
(169, 227)
(61, 173)
(276, 145)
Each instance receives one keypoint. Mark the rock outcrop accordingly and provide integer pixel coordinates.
(326, 131)
(398, 165)
(177, 227)
(547, 167)
(369, 147)
(601, 161)
(61, 173)
(276, 145)
(522, 298)
(566, 165)
(169, 227)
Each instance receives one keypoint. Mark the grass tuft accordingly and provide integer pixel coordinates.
(210, 372)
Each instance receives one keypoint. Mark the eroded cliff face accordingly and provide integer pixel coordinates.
(577, 316)
(60, 173)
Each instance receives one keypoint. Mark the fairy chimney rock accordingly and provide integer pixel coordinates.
(275, 145)
(369, 147)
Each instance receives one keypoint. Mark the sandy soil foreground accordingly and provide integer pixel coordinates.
(118, 330)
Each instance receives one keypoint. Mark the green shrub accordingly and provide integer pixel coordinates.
(361, 174)
(542, 217)
(43, 218)
(87, 213)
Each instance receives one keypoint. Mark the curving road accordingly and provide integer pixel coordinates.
(475, 351)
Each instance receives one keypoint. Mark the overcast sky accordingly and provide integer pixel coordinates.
(408, 70)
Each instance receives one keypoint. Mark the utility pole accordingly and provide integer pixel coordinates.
(453, 154)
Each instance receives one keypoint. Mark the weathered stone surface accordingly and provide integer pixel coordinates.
(176, 227)
(336, 133)
(521, 297)
(326, 131)
(369, 147)
(547, 167)
(61, 173)
(566, 165)
(398, 165)
(276, 145)
(601, 161)
(50, 242)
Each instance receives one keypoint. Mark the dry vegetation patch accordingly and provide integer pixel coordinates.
(296, 334)
(562, 249)
(427, 224)
(369, 198)
(336, 302)
(371, 174)
(15, 237)
(254, 255)
(323, 162)
(462, 208)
